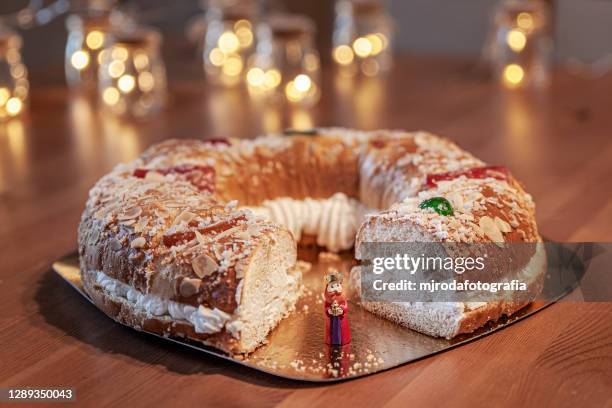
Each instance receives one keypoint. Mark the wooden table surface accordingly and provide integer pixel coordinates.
(558, 142)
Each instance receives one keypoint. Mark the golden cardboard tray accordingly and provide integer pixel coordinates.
(296, 349)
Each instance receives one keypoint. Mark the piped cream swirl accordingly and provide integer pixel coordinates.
(334, 220)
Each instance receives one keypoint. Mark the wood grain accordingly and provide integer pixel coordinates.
(559, 142)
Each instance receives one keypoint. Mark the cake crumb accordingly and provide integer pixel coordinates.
(328, 257)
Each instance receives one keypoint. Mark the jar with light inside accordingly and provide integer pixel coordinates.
(362, 37)
(87, 35)
(229, 40)
(14, 85)
(520, 48)
(286, 65)
(132, 76)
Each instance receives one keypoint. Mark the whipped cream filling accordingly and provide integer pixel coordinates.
(333, 220)
(203, 319)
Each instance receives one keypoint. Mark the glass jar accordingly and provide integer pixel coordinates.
(14, 85)
(87, 35)
(229, 40)
(362, 37)
(520, 44)
(132, 76)
(286, 65)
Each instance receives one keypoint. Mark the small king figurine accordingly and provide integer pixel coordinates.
(337, 331)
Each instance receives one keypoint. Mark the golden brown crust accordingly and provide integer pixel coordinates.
(491, 312)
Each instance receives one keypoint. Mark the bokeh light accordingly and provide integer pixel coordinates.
(80, 59)
(343, 54)
(525, 21)
(302, 83)
(13, 106)
(232, 66)
(362, 47)
(228, 42)
(95, 39)
(513, 75)
(516, 40)
(256, 77)
(126, 83)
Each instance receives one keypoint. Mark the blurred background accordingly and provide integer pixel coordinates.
(581, 29)
(85, 84)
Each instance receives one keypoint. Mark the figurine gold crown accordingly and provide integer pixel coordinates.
(333, 276)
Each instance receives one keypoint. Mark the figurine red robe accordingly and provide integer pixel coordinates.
(337, 330)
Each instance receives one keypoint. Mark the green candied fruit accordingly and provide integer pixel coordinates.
(439, 205)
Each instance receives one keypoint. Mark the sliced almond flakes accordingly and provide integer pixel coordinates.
(130, 214)
(189, 287)
(203, 265)
(490, 228)
(502, 225)
(138, 242)
(185, 217)
(200, 238)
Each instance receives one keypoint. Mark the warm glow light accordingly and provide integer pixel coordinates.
(383, 39)
(343, 54)
(141, 61)
(233, 66)
(101, 56)
(362, 47)
(5, 94)
(119, 53)
(293, 94)
(311, 62)
(513, 74)
(13, 56)
(110, 95)
(146, 81)
(18, 70)
(13, 106)
(271, 119)
(376, 42)
(126, 83)
(116, 69)
(21, 91)
(80, 59)
(14, 137)
(245, 36)
(242, 23)
(525, 21)
(301, 119)
(272, 78)
(256, 77)
(228, 42)
(370, 67)
(94, 39)
(216, 57)
(302, 83)
(516, 40)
